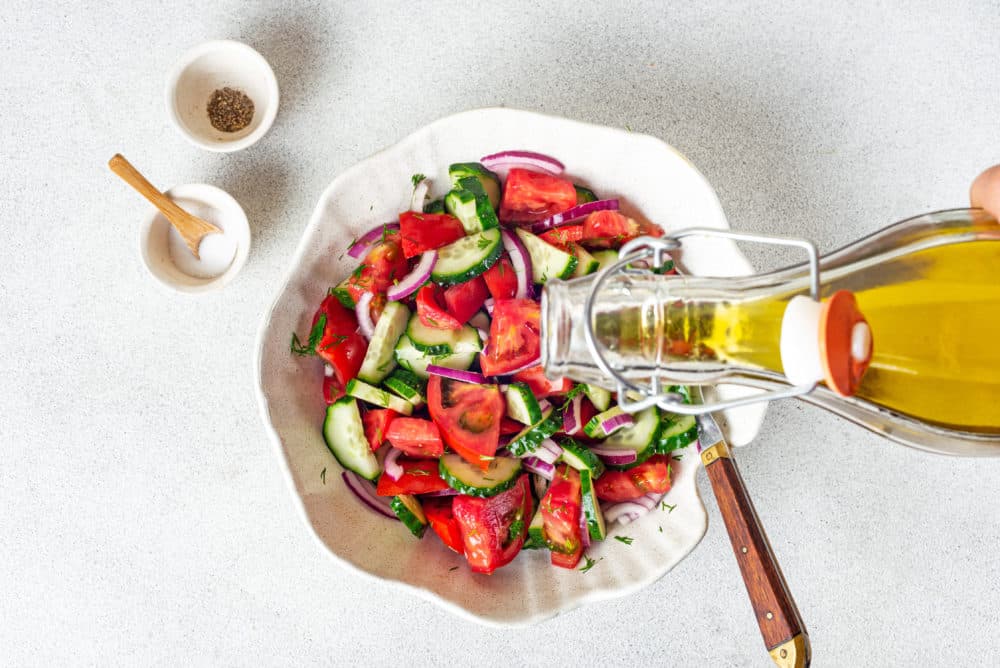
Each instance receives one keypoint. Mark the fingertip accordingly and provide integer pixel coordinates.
(985, 191)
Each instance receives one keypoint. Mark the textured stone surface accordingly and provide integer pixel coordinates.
(143, 515)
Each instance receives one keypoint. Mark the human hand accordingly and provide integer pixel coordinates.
(985, 191)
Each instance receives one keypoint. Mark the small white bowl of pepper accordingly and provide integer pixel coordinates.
(222, 96)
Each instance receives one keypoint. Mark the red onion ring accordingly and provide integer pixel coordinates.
(415, 279)
(366, 494)
(391, 466)
(576, 213)
(365, 242)
(509, 159)
(364, 313)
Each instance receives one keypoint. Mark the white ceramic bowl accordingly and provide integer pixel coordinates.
(652, 179)
(207, 202)
(208, 67)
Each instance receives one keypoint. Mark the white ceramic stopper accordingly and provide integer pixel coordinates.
(800, 341)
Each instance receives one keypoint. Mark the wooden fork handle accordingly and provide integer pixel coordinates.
(123, 168)
(780, 624)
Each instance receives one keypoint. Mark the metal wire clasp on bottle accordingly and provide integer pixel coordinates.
(634, 397)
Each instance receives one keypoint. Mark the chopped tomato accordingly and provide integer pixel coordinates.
(439, 514)
(651, 476)
(493, 530)
(468, 416)
(332, 389)
(540, 384)
(340, 345)
(426, 231)
(384, 265)
(464, 299)
(561, 507)
(563, 237)
(532, 196)
(587, 411)
(610, 229)
(420, 476)
(514, 337)
(501, 279)
(430, 311)
(416, 437)
(377, 423)
(508, 426)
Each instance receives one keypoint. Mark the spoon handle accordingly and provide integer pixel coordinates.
(130, 175)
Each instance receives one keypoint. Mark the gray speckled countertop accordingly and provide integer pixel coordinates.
(143, 515)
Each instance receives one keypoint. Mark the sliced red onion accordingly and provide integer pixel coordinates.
(648, 501)
(363, 310)
(615, 457)
(584, 531)
(419, 196)
(442, 492)
(536, 465)
(533, 363)
(547, 452)
(509, 159)
(616, 422)
(571, 418)
(521, 261)
(618, 511)
(366, 493)
(391, 466)
(576, 213)
(415, 279)
(543, 404)
(456, 374)
(365, 242)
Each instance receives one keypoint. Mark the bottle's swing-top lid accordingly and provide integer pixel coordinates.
(829, 341)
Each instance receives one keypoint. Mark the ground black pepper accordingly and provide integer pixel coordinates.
(229, 110)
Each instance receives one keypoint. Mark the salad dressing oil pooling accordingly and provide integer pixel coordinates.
(903, 335)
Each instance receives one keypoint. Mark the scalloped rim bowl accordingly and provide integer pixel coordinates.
(653, 181)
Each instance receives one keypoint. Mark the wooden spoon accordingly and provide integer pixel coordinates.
(191, 228)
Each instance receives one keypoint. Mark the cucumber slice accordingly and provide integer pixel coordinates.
(598, 396)
(584, 195)
(435, 341)
(595, 428)
(472, 480)
(531, 437)
(536, 533)
(488, 180)
(580, 457)
(437, 206)
(344, 434)
(522, 405)
(472, 208)
(378, 396)
(592, 507)
(411, 358)
(379, 360)
(408, 385)
(342, 294)
(467, 258)
(585, 262)
(642, 436)
(408, 510)
(605, 258)
(547, 261)
(678, 431)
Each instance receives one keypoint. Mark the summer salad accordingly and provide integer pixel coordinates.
(437, 407)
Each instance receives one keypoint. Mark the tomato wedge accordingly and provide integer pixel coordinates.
(563, 237)
(514, 337)
(430, 311)
(439, 514)
(651, 476)
(377, 423)
(468, 416)
(508, 426)
(610, 229)
(464, 299)
(427, 231)
(501, 279)
(415, 436)
(493, 530)
(561, 507)
(540, 384)
(532, 196)
(420, 476)
(384, 264)
(332, 389)
(340, 345)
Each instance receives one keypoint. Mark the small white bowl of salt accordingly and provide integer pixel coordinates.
(220, 256)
